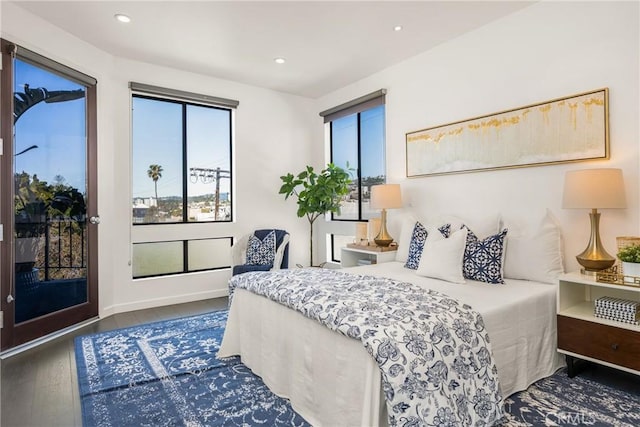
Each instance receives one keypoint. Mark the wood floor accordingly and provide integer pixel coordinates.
(40, 387)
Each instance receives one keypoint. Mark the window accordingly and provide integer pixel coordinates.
(181, 167)
(180, 256)
(181, 174)
(337, 242)
(357, 141)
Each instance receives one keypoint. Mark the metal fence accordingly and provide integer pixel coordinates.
(61, 251)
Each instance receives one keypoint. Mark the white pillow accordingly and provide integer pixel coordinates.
(442, 258)
(536, 255)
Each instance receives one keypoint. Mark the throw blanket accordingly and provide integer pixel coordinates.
(433, 352)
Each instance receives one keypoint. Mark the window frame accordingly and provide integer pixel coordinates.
(359, 158)
(355, 106)
(173, 96)
(185, 257)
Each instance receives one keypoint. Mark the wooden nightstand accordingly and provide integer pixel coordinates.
(350, 255)
(582, 335)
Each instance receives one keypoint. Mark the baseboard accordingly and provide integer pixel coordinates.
(159, 302)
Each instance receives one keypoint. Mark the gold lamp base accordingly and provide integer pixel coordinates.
(383, 242)
(383, 238)
(595, 257)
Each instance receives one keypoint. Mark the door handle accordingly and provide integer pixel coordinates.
(94, 220)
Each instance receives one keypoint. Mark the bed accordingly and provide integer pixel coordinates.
(331, 380)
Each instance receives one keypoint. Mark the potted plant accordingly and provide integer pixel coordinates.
(630, 257)
(317, 193)
(29, 233)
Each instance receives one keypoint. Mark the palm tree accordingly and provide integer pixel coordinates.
(155, 173)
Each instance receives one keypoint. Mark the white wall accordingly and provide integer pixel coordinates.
(273, 136)
(545, 51)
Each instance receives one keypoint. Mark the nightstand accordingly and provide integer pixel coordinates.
(352, 254)
(582, 335)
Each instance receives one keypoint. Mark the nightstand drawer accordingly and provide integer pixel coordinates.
(607, 343)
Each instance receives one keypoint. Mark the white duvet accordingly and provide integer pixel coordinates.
(332, 381)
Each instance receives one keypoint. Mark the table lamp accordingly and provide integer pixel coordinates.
(594, 189)
(385, 196)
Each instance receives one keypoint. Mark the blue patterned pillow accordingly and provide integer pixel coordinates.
(261, 252)
(445, 230)
(418, 237)
(484, 259)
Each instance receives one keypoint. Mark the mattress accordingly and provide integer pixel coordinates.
(332, 381)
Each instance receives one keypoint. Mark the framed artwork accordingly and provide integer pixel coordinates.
(569, 129)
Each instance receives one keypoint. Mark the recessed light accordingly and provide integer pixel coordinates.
(397, 28)
(280, 60)
(122, 18)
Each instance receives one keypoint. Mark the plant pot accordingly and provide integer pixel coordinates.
(631, 269)
(27, 249)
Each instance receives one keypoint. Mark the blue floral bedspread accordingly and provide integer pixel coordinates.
(433, 352)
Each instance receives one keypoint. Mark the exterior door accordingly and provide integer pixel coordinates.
(49, 277)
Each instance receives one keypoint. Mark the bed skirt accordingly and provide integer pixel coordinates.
(330, 379)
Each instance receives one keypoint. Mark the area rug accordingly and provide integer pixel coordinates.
(167, 374)
(562, 401)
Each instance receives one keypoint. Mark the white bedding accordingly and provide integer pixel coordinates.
(332, 381)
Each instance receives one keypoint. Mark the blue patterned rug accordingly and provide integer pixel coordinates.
(166, 374)
(562, 401)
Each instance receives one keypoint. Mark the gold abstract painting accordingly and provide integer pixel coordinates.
(567, 129)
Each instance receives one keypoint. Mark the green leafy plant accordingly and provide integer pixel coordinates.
(317, 193)
(36, 202)
(630, 254)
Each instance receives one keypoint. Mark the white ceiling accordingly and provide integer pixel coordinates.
(327, 45)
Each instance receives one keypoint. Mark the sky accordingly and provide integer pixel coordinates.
(157, 139)
(344, 141)
(58, 129)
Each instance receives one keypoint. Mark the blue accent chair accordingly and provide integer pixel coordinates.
(239, 252)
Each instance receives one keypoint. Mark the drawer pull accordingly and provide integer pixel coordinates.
(614, 346)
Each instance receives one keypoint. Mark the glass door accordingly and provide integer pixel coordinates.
(52, 233)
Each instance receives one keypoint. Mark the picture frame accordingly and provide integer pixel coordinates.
(568, 129)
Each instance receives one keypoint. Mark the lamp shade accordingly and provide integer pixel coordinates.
(594, 189)
(386, 196)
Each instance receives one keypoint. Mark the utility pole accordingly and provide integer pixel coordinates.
(207, 176)
(217, 205)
